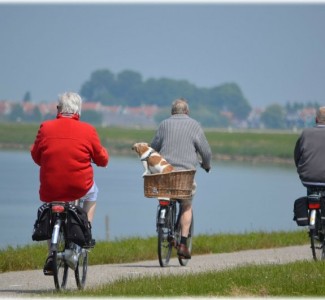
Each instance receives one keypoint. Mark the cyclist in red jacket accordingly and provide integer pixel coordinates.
(64, 149)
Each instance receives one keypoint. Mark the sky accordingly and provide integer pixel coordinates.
(275, 52)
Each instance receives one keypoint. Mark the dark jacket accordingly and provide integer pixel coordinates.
(309, 156)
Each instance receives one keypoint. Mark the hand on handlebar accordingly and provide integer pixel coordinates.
(206, 169)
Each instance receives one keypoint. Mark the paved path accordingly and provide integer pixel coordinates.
(31, 283)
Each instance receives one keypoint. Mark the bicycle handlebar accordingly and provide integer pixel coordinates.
(205, 169)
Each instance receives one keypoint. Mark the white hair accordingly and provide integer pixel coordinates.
(320, 115)
(180, 106)
(70, 103)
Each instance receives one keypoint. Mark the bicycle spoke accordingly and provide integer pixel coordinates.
(81, 270)
(164, 246)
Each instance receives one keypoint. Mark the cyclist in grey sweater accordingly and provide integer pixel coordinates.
(182, 142)
(309, 153)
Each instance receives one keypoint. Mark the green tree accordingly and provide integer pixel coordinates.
(36, 114)
(100, 87)
(27, 97)
(163, 91)
(17, 113)
(274, 117)
(229, 97)
(129, 87)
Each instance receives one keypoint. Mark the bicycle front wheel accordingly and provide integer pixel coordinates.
(317, 239)
(60, 267)
(81, 270)
(164, 245)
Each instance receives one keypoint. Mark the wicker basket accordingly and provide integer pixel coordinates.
(177, 184)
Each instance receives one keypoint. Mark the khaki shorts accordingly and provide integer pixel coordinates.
(189, 201)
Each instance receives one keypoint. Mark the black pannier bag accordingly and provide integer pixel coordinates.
(78, 228)
(42, 226)
(300, 211)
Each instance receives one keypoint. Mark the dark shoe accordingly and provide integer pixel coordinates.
(183, 252)
(48, 267)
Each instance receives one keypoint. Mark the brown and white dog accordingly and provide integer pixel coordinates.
(152, 161)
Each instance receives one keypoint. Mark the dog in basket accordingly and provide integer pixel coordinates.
(152, 161)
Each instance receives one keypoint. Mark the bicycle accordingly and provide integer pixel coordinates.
(66, 254)
(316, 226)
(55, 223)
(170, 189)
(169, 230)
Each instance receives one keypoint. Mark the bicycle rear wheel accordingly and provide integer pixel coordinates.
(81, 269)
(317, 239)
(60, 267)
(183, 261)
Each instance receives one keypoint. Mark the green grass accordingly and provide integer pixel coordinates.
(251, 144)
(225, 145)
(299, 279)
(136, 249)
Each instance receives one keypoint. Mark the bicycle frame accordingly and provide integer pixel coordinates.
(316, 228)
(169, 230)
(66, 254)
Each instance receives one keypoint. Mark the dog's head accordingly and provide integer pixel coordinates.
(140, 148)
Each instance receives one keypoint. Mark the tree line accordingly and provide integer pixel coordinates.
(216, 107)
(128, 88)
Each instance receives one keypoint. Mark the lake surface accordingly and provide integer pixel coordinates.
(233, 198)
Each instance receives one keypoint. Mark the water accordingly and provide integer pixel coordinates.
(233, 198)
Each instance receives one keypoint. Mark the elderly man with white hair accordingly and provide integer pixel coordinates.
(64, 149)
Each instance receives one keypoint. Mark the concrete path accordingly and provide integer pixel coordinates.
(32, 283)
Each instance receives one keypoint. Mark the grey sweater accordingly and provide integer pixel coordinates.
(309, 156)
(180, 139)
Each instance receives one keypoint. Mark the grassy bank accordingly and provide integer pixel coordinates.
(299, 279)
(258, 146)
(137, 249)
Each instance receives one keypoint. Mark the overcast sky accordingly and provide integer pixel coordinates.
(275, 53)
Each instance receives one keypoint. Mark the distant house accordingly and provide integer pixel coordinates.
(5, 107)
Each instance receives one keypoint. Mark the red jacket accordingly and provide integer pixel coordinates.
(64, 149)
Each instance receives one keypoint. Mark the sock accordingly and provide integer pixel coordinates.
(183, 240)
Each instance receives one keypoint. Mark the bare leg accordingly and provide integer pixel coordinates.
(90, 207)
(186, 219)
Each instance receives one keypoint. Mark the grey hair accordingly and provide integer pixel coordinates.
(70, 103)
(180, 106)
(320, 115)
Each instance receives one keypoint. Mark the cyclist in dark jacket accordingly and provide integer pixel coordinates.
(309, 153)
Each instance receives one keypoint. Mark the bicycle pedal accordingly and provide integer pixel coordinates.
(48, 273)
